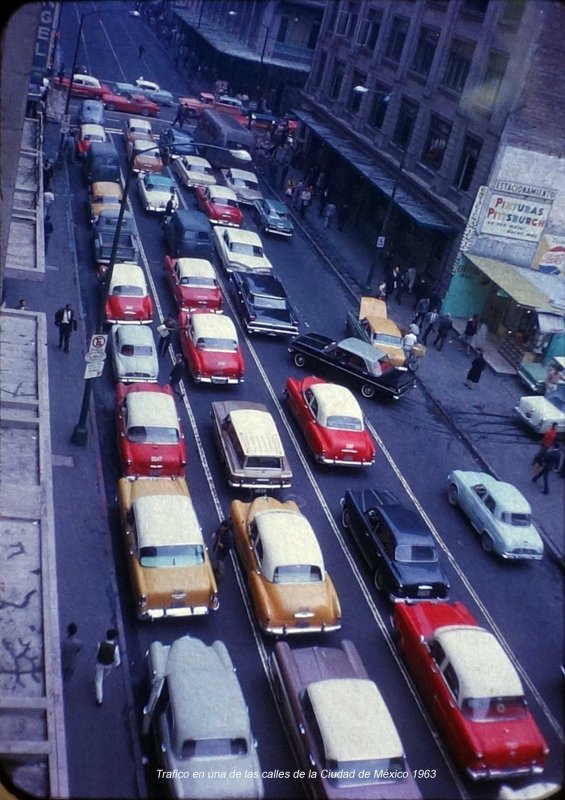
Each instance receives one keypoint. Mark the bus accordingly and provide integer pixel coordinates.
(223, 133)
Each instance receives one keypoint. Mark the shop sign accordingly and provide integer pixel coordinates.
(517, 211)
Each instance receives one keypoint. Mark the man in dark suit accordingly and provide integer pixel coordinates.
(65, 320)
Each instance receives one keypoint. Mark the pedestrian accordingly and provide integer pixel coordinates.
(401, 286)
(296, 194)
(48, 200)
(422, 308)
(222, 544)
(289, 189)
(329, 214)
(177, 374)
(392, 280)
(381, 291)
(47, 174)
(305, 200)
(408, 341)
(324, 200)
(550, 461)
(186, 115)
(70, 146)
(141, 51)
(429, 322)
(411, 278)
(65, 320)
(22, 306)
(179, 115)
(320, 183)
(552, 380)
(107, 657)
(443, 328)
(471, 327)
(477, 366)
(548, 440)
(70, 648)
(342, 216)
(47, 232)
(165, 331)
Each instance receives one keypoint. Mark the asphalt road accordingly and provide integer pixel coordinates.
(416, 450)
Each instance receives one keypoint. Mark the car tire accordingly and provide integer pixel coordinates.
(346, 519)
(412, 363)
(379, 581)
(299, 359)
(111, 107)
(453, 494)
(486, 542)
(367, 390)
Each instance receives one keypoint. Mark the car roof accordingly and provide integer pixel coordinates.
(145, 146)
(88, 79)
(256, 430)
(407, 525)
(192, 220)
(196, 161)
(135, 334)
(213, 326)
(287, 539)
(262, 283)
(243, 174)
(128, 273)
(151, 409)
(158, 179)
(354, 721)
(481, 664)
(504, 493)
(195, 267)
(276, 205)
(241, 235)
(363, 349)
(92, 127)
(163, 519)
(222, 193)
(106, 187)
(91, 102)
(335, 400)
(125, 87)
(103, 148)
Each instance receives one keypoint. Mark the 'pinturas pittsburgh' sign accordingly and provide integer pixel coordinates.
(517, 211)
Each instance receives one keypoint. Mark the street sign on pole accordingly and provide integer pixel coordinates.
(91, 358)
(98, 343)
(381, 240)
(93, 369)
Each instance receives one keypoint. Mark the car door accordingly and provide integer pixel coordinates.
(358, 524)
(383, 546)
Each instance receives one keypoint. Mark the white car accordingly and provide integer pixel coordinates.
(141, 83)
(244, 184)
(194, 171)
(539, 413)
(240, 250)
(156, 190)
(134, 355)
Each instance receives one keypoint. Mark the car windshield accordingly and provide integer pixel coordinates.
(408, 554)
(297, 573)
(136, 350)
(266, 301)
(387, 338)
(344, 423)
(200, 170)
(172, 555)
(557, 400)
(374, 770)
(125, 290)
(93, 137)
(142, 434)
(489, 709)
(203, 283)
(244, 249)
(192, 748)
(147, 153)
(520, 520)
(215, 343)
(263, 462)
(279, 215)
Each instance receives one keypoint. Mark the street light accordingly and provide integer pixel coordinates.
(387, 96)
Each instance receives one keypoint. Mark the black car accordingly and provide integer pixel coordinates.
(357, 360)
(174, 143)
(187, 235)
(396, 544)
(263, 305)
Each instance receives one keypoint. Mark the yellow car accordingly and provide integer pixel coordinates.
(145, 155)
(103, 196)
(290, 590)
(375, 327)
(169, 565)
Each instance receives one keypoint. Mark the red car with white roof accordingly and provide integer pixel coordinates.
(219, 204)
(331, 420)
(211, 347)
(128, 300)
(150, 440)
(472, 688)
(194, 283)
(130, 103)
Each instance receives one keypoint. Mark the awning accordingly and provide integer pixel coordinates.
(420, 211)
(520, 283)
(550, 323)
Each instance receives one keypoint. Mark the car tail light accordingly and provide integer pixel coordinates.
(214, 602)
(253, 317)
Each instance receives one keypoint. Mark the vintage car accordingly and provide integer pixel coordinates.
(187, 235)
(128, 301)
(130, 104)
(169, 566)
(102, 196)
(155, 191)
(194, 171)
(263, 304)
(339, 725)
(500, 514)
(160, 96)
(144, 156)
(137, 128)
(357, 360)
(219, 204)
(134, 355)
(194, 284)
(259, 121)
(535, 374)
(200, 722)
(224, 103)
(273, 217)
(240, 250)
(332, 422)
(290, 590)
(211, 348)
(472, 690)
(174, 143)
(396, 544)
(243, 183)
(143, 84)
(539, 413)
(373, 326)
(83, 86)
(150, 439)
(86, 135)
(250, 446)
(91, 112)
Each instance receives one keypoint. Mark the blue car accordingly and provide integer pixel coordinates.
(91, 112)
(273, 217)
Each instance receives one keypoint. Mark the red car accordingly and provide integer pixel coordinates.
(130, 103)
(472, 688)
(150, 439)
(219, 204)
(83, 86)
(128, 300)
(211, 348)
(332, 422)
(194, 284)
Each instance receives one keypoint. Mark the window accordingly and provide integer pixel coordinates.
(513, 12)
(437, 652)
(337, 79)
(458, 64)
(405, 123)
(425, 51)
(490, 503)
(436, 142)
(467, 163)
(476, 7)
(452, 680)
(381, 99)
(358, 79)
(397, 38)
(347, 20)
(492, 81)
(319, 69)
(369, 29)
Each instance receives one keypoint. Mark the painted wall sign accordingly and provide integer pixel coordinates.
(512, 217)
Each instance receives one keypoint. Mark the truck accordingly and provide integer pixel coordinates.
(207, 100)
(104, 232)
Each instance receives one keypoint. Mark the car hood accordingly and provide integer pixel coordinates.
(158, 196)
(139, 366)
(541, 408)
(246, 787)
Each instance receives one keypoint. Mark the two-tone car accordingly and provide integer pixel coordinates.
(219, 204)
(156, 191)
(128, 300)
(396, 544)
(130, 104)
(86, 135)
(240, 250)
(332, 422)
(174, 143)
(136, 128)
(144, 156)
(373, 325)
(82, 85)
(263, 304)
(272, 216)
(134, 355)
(290, 589)
(169, 567)
(244, 184)
(211, 348)
(339, 725)
(194, 284)
(472, 689)
(540, 412)
(499, 513)
(194, 171)
(249, 445)
(102, 196)
(149, 434)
